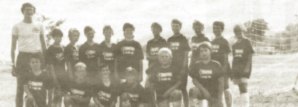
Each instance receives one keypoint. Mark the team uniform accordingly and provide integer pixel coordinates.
(163, 79)
(195, 42)
(37, 86)
(71, 54)
(129, 54)
(88, 54)
(106, 94)
(153, 47)
(220, 47)
(207, 75)
(107, 56)
(81, 90)
(137, 94)
(241, 51)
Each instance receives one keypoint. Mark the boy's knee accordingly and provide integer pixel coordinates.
(195, 93)
(176, 95)
(124, 97)
(67, 99)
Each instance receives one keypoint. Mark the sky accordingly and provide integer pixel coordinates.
(141, 13)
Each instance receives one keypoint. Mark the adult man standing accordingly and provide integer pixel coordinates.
(30, 39)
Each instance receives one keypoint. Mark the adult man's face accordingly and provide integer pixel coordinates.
(165, 58)
(28, 11)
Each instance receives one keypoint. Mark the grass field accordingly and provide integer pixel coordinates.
(271, 83)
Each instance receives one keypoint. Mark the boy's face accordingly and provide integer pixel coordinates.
(108, 33)
(238, 33)
(35, 64)
(105, 71)
(204, 53)
(155, 30)
(90, 34)
(128, 33)
(80, 71)
(74, 37)
(176, 28)
(217, 30)
(28, 11)
(198, 29)
(57, 39)
(164, 58)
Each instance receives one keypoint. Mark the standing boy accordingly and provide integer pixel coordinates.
(180, 48)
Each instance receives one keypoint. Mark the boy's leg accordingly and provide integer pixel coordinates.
(29, 102)
(164, 103)
(124, 100)
(244, 96)
(195, 98)
(175, 98)
(184, 91)
(68, 101)
(227, 93)
(20, 92)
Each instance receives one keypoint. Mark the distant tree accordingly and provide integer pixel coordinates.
(256, 29)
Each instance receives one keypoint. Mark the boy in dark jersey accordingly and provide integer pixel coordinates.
(180, 48)
(88, 52)
(132, 93)
(36, 84)
(220, 50)
(106, 91)
(155, 44)
(71, 51)
(56, 62)
(207, 76)
(129, 53)
(166, 79)
(79, 88)
(242, 64)
(196, 40)
(107, 48)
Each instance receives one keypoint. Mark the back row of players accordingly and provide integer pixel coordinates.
(100, 73)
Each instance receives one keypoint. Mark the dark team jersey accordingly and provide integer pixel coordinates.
(71, 54)
(164, 78)
(195, 42)
(89, 55)
(107, 55)
(83, 89)
(129, 54)
(38, 84)
(106, 94)
(153, 47)
(137, 94)
(220, 47)
(241, 50)
(55, 57)
(179, 46)
(208, 75)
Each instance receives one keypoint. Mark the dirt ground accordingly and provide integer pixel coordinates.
(271, 83)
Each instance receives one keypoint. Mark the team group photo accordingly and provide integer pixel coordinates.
(52, 68)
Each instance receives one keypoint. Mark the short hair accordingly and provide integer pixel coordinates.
(176, 21)
(27, 5)
(157, 25)
(128, 25)
(87, 29)
(80, 64)
(197, 23)
(56, 33)
(237, 27)
(220, 24)
(205, 45)
(161, 50)
(107, 27)
(71, 31)
(131, 71)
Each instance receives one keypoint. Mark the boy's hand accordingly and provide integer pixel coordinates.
(13, 71)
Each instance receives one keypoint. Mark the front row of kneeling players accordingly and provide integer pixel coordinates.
(78, 86)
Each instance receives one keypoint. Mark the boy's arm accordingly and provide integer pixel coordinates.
(43, 43)
(97, 102)
(30, 95)
(220, 87)
(13, 49)
(167, 93)
(225, 64)
(248, 64)
(70, 70)
(54, 76)
(140, 70)
(202, 88)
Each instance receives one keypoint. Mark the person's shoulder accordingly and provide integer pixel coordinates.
(21, 23)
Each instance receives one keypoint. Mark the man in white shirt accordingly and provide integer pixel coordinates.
(28, 37)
